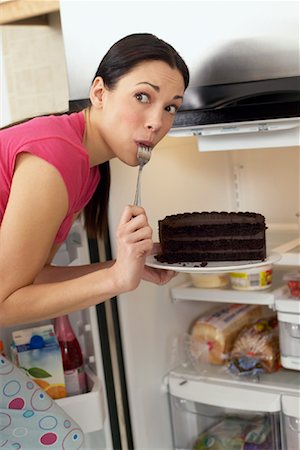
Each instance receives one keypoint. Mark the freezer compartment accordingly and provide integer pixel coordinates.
(291, 422)
(213, 416)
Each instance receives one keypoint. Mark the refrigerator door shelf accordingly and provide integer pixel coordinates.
(87, 409)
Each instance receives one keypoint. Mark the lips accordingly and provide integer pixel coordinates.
(148, 144)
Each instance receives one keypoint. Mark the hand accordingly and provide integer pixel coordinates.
(134, 243)
(157, 276)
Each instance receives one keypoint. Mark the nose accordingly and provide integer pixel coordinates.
(154, 121)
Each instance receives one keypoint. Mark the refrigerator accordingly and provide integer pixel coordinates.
(144, 393)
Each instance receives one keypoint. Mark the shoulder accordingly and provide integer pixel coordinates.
(35, 175)
(65, 127)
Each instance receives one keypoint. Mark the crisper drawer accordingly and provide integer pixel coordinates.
(220, 417)
(291, 422)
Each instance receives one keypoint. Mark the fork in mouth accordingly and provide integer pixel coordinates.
(143, 156)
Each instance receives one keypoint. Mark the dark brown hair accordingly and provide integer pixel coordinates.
(120, 59)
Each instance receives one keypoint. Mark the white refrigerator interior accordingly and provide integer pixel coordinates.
(179, 179)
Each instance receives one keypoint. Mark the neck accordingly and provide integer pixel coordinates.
(94, 143)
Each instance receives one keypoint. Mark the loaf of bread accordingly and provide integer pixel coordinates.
(256, 348)
(212, 334)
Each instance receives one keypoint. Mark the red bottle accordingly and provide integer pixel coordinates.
(71, 356)
(1, 348)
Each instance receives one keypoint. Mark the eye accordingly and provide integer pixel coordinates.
(172, 109)
(142, 97)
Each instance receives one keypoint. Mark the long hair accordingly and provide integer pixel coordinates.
(120, 59)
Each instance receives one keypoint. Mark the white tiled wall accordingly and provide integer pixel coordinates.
(35, 69)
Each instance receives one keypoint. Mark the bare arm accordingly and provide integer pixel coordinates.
(37, 205)
(50, 273)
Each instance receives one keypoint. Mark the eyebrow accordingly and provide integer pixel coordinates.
(157, 89)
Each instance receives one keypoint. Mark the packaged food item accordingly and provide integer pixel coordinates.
(293, 282)
(252, 279)
(36, 351)
(209, 280)
(212, 334)
(256, 348)
(233, 433)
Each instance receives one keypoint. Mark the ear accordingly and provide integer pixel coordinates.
(96, 92)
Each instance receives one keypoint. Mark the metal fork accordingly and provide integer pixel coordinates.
(143, 156)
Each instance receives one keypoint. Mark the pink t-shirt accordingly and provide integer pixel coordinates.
(58, 140)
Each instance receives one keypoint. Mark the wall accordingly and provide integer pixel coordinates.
(5, 116)
(35, 70)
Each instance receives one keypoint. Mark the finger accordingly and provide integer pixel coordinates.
(140, 235)
(129, 212)
(158, 276)
(137, 223)
(156, 248)
(143, 248)
(167, 275)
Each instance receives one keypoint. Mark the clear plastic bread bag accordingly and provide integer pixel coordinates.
(256, 349)
(212, 334)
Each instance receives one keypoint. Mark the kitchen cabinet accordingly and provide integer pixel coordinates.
(14, 12)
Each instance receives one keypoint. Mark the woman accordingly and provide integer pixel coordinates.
(49, 172)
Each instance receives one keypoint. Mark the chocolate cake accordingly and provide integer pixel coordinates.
(212, 236)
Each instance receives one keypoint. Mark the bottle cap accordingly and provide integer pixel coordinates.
(36, 342)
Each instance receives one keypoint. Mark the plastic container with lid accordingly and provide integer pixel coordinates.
(293, 282)
(288, 313)
(256, 278)
(209, 280)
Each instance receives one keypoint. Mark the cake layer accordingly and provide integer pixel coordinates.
(216, 236)
(213, 218)
(210, 245)
(210, 230)
(203, 257)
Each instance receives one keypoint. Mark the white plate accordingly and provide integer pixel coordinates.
(215, 266)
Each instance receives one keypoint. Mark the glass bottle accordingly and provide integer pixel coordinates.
(1, 348)
(75, 378)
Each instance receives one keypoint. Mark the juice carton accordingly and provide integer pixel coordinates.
(37, 352)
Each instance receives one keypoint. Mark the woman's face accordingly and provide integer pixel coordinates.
(140, 109)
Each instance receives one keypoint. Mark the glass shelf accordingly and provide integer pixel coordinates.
(290, 253)
(187, 292)
(283, 381)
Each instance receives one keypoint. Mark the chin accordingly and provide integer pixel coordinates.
(130, 163)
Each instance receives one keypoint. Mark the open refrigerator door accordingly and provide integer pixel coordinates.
(90, 409)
